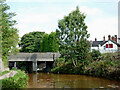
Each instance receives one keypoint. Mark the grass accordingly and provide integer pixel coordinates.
(19, 80)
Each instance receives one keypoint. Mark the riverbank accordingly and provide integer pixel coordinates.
(106, 66)
(14, 79)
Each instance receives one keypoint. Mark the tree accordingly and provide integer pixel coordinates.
(10, 35)
(39, 42)
(72, 36)
(53, 44)
(49, 43)
(31, 42)
(45, 43)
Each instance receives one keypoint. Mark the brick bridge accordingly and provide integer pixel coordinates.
(33, 60)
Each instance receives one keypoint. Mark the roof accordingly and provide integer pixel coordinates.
(115, 43)
(97, 43)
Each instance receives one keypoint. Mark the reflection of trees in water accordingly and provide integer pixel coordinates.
(46, 80)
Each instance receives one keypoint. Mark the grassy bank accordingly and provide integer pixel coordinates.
(19, 80)
(105, 65)
(108, 66)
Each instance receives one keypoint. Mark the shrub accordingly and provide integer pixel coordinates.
(59, 61)
(66, 68)
(95, 54)
(19, 80)
(4, 73)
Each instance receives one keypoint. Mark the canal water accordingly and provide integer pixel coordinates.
(46, 80)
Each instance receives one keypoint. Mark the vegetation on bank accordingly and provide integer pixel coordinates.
(19, 80)
(106, 65)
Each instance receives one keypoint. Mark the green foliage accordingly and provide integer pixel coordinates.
(95, 54)
(72, 37)
(0, 29)
(9, 34)
(66, 68)
(49, 43)
(45, 43)
(39, 42)
(53, 45)
(31, 42)
(19, 80)
(107, 67)
(58, 62)
(4, 73)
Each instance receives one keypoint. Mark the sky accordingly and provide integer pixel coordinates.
(43, 15)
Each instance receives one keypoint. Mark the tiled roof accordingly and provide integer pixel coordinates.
(96, 43)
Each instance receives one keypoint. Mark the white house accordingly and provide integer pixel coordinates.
(110, 45)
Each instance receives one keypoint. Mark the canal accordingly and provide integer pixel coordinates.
(46, 80)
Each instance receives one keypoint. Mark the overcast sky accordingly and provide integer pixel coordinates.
(43, 15)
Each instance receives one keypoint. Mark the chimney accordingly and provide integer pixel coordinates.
(116, 38)
(104, 38)
(95, 39)
(113, 39)
(109, 37)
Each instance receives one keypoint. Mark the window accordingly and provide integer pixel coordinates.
(106, 45)
(109, 45)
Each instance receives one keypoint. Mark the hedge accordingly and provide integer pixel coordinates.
(19, 80)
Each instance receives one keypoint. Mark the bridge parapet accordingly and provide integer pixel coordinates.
(34, 57)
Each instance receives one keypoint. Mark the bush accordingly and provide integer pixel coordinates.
(104, 68)
(19, 80)
(4, 73)
(95, 54)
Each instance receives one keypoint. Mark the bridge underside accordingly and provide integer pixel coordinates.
(32, 66)
(32, 61)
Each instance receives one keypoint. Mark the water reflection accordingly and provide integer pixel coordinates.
(45, 80)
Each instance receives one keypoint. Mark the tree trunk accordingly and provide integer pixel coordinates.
(73, 62)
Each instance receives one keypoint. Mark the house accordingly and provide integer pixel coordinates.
(106, 46)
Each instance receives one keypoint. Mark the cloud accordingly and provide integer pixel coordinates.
(90, 11)
(102, 26)
(98, 26)
(39, 18)
(45, 18)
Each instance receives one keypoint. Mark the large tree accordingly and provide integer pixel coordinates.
(49, 43)
(72, 35)
(39, 42)
(10, 35)
(31, 42)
